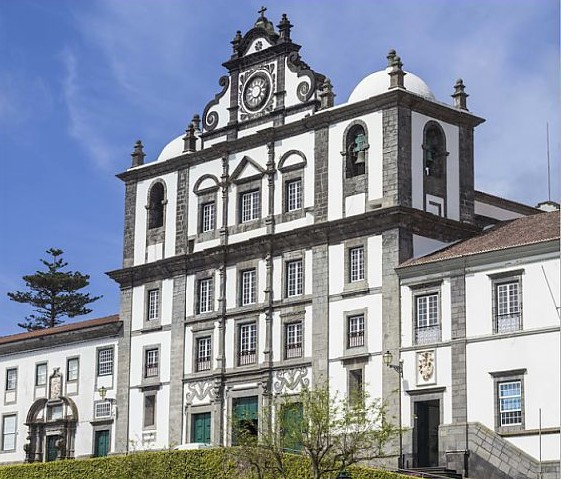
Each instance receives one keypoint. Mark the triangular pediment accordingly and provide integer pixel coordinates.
(247, 169)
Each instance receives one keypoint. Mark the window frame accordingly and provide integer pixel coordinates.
(432, 331)
(506, 377)
(153, 207)
(99, 362)
(254, 207)
(7, 384)
(291, 342)
(294, 280)
(205, 299)
(244, 346)
(251, 288)
(151, 369)
(208, 217)
(198, 361)
(153, 304)
(68, 361)
(354, 332)
(497, 281)
(37, 366)
(357, 269)
(294, 201)
(14, 433)
(153, 396)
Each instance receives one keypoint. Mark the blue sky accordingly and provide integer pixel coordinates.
(80, 82)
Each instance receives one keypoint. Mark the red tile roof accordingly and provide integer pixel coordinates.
(60, 329)
(527, 230)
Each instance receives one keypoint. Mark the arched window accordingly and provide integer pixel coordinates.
(434, 146)
(356, 146)
(156, 201)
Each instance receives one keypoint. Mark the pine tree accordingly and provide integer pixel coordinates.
(54, 294)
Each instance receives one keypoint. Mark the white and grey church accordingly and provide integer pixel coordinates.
(285, 240)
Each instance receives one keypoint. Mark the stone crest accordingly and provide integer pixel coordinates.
(426, 367)
(55, 382)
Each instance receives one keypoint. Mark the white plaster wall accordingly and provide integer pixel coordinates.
(254, 129)
(550, 446)
(143, 187)
(232, 287)
(423, 246)
(157, 338)
(375, 155)
(247, 235)
(374, 265)
(338, 378)
(88, 385)
(418, 122)
(190, 295)
(166, 304)
(308, 267)
(291, 84)
(355, 204)
(222, 110)
(495, 212)
(335, 171)
(136, 420)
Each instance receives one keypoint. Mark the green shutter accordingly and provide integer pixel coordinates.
(101, 447)
(201, 428)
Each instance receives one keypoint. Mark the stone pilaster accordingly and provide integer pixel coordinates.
(130, 221)
(122, 396)
(177, 360)
(320, 314)
(181, 212)
(466, 174)
(321, 159)
(458, 318)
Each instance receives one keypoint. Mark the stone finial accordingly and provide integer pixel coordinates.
(196, 121)
(190, 139)
(397, 74)
(391, 56)
(138, 154)
(284, 28)
(326, 95)
(263, 22)
(460, 96)
(236, 43)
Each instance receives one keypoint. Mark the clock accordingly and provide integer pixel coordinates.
(256, 92)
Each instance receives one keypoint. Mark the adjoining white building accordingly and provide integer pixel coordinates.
(480, 351)
(262, 253)
(58, 391)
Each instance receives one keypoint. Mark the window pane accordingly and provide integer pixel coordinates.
(248, 287)
(152, 363)
(250, 206)
(510, 403)
(355, 331)
(248, 343)
(11, 379)
(149, 411)
(204, 354)
(105, 362)
(294, 195)
(294, 278)
(9, 433)
(208, 217)
(205, 295)
(72, 369)
(356, 261)
(153, 304)
(293, 347)
(41, 375)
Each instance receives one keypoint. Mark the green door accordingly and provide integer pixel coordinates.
(52, 451)
(201, 428)
(101, 443)
(245, 424)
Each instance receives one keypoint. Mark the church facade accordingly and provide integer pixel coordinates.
(270, 248)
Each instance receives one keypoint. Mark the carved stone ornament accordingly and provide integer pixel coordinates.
(255, 91)
(290, 379)
(425, 364)
(55, 381)
(201, 390)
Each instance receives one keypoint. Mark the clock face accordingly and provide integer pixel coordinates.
(256, 92)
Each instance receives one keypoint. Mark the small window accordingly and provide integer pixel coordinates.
(204, 353)
(156, 202)
(356, 386)
(294, 278)
(248, 344)
(248, 280)
(9, 425)
(293, 338)
(510, 403)
(293, 195)
(72, 369)
(41, 374)
(250, 206)
(153, 304)
(55, 412)
(151, 363)
(507, 306)
(208, 216)
(206, 295)
(149, 410)
(356, 264)
(427, 328)
(11, 379)
(357, 144)
(105, 362)
(102, 409)
(355, 331)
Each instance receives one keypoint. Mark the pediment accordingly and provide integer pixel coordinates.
(248, 169)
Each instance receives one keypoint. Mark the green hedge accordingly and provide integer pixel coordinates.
(206, 464)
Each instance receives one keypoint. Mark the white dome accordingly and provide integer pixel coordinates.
(172, 149)
(378, 82)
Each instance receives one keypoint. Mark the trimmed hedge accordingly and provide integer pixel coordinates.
(205, 464)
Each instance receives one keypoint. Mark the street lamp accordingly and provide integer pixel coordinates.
(398, 368)
(102, 392)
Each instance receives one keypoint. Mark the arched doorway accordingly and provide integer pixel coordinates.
(52, 425)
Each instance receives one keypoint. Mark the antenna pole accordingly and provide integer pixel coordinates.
(548, 164)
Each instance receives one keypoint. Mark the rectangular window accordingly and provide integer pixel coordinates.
(427, 322)
(356, 386)
(293, 336)
(105, 362)
(149, 410)
(510, 403)
(9, 425)
(294, 195)
(507, 298)
(245, 418)
(208, 217)
(200, 430)
(204, 353)
(294, 278)
(250, 206)
(206, 294)
(356, 264)
(355, 331)
(153, 304)
(151, 363)
(102, 409)
(11, 379)
(72, 369)
(41, 374)
(248, 344)
(248, 280)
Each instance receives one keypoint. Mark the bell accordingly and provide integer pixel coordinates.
(360, 157)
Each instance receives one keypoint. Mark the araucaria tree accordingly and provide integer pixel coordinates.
(54, 294)
(333, 432)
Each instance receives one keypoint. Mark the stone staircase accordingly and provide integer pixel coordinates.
(431, 472)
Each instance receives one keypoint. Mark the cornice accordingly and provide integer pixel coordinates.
(330, 232)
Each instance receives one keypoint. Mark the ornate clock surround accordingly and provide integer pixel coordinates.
(256, 91)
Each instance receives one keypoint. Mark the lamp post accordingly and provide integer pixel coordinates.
(398, 368)
(102, 392)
